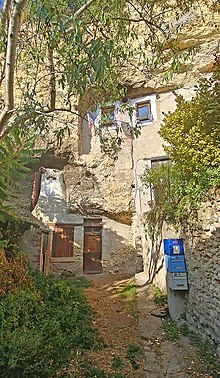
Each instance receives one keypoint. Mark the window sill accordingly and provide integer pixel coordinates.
(62, 259)
(145, 122)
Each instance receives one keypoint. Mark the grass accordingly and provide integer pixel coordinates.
(128, 293)
(133, 353)
(171, 330)
(159, 297)
(95, 372)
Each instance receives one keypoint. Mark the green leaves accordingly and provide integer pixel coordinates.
(192, 132)
(15, 154)
(192, 135)
(43, 325)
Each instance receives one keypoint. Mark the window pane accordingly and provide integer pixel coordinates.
(143, 110)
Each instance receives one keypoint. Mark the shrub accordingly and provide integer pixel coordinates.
(13, 272)
(43, 325)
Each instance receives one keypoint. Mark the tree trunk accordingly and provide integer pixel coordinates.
(13, 29)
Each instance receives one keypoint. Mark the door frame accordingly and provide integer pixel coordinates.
(93, 223)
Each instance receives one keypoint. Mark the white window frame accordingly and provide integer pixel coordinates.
(133, 103)
(152, 100)
(97, 121)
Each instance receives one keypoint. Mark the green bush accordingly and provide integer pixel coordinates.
(42, 326)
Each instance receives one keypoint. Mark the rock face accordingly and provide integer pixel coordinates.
(199, 32)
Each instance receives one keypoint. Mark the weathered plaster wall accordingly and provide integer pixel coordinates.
(118, 252)
(30, 242)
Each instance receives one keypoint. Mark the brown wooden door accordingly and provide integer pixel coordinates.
(63, 238)
(92, 254)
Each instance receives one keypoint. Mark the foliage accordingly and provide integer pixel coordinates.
(78, 281)
(159, 298)
(14, 272)
(74, 48)
(171, 330)
(94, 372)
(80, 48)
(192, 134)
(15, 154)
(117, 363)
(10, 232)
(43, 326)
(132, 353)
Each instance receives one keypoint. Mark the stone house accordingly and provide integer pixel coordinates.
(95, 205)
(89, 209)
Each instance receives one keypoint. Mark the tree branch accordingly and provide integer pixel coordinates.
(13, 29)
(52, 82)
(79, 12)
(5, 12)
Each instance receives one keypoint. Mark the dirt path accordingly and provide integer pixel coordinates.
(117, 326)
(136, 344)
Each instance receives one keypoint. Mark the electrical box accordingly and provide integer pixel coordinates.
(173, 247)
(177, 281)
(175, 264)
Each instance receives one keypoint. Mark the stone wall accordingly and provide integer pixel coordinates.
(202, 248)
(202, 251)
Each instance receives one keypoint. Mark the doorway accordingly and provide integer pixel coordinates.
(92, 252)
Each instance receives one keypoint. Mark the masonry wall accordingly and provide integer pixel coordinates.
(203, 265)
(202, 252)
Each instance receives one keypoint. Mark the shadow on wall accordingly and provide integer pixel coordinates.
(154, 258)
(118, 254)
(51, 209)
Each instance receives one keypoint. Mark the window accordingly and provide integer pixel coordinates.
(143, 111)
(63, 241)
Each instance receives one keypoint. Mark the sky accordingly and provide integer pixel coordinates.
(1, 4)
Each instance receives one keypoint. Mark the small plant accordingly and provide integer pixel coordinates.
(132, 353)
(117, 363)
(159, 297)
(94, 372)
(184, 330)
(207, 350)
(171, 330)
(128, 292)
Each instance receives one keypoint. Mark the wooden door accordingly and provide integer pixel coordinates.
(92, 254)
(63, 239)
